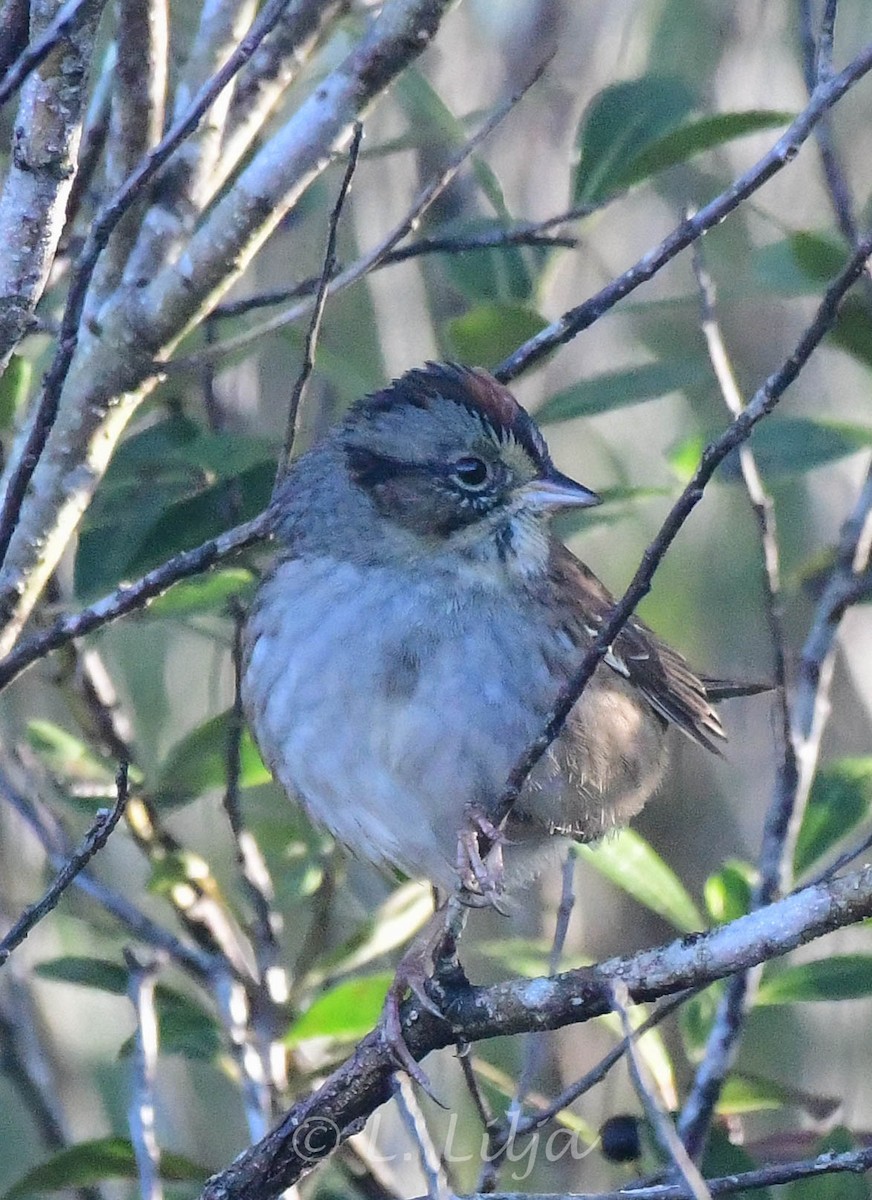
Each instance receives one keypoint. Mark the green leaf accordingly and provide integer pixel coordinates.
(202, 516)
(198, 763)
(89, 1163)
(704, 133)
(728, 891)
(617, 389)
(67, 757)
(784, 447)
(841, 798)
(722, 1157)
(207, 594)
(696, 1019)
(741, 1095)
(841, 977)
(486, 334)
(853, 330)
(507, 274)
(345, 1012)
(620, 123)
(184, 1027)
(788, 446)
(630, 862)
(799, 264)
(97, 973)
(616, 503)
(837, 1186)
(14, 389)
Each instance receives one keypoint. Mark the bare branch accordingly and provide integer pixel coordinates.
(133, 596)
(438, 1187)
(106, 221)
(271, 72)
(94, 841)
(39, 49)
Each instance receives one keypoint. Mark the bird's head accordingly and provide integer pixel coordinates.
(447, 455)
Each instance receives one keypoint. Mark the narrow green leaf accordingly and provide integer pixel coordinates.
(199, 762)
(841, 798)
(506, 274)
(345, 1012)
(784, 447)
(798, 265)
(852, 331)
(630, 862)
(208, 594)
(620, 123)
(728, 891)
(696, 1019)
(695, 137)
(99, 973)
(89, 1163)
(184, 1027)
(741, 1095)
(788, 446)
(67, 756)
(487, 333)
(842, 977)
(617, 389)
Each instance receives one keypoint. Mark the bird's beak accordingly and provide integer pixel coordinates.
(556, 490)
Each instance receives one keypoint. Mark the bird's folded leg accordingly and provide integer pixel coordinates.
(482, 876)
(434, 947)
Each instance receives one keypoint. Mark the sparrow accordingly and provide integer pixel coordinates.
(413, 633)
(417, 626)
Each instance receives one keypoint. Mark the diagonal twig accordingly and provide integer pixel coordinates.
(94, 841)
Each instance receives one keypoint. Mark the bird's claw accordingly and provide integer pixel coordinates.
(482, 878)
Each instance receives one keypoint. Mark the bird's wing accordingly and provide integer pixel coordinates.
(660, 673)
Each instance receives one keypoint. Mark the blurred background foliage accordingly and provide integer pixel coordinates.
(648, 108)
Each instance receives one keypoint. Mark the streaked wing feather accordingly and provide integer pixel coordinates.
(660, 673)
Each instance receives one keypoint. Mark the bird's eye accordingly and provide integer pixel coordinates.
(471, 472)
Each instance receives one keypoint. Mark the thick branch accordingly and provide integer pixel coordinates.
(315, 1126)
(43, 163)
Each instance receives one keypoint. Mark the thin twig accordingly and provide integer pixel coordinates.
(98, 235)
(93, 842)
(312, 333)
(234, 1009)
(659, 1119)
(141, 1110)
(438, 1187)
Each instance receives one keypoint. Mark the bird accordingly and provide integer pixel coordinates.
(419, 622)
